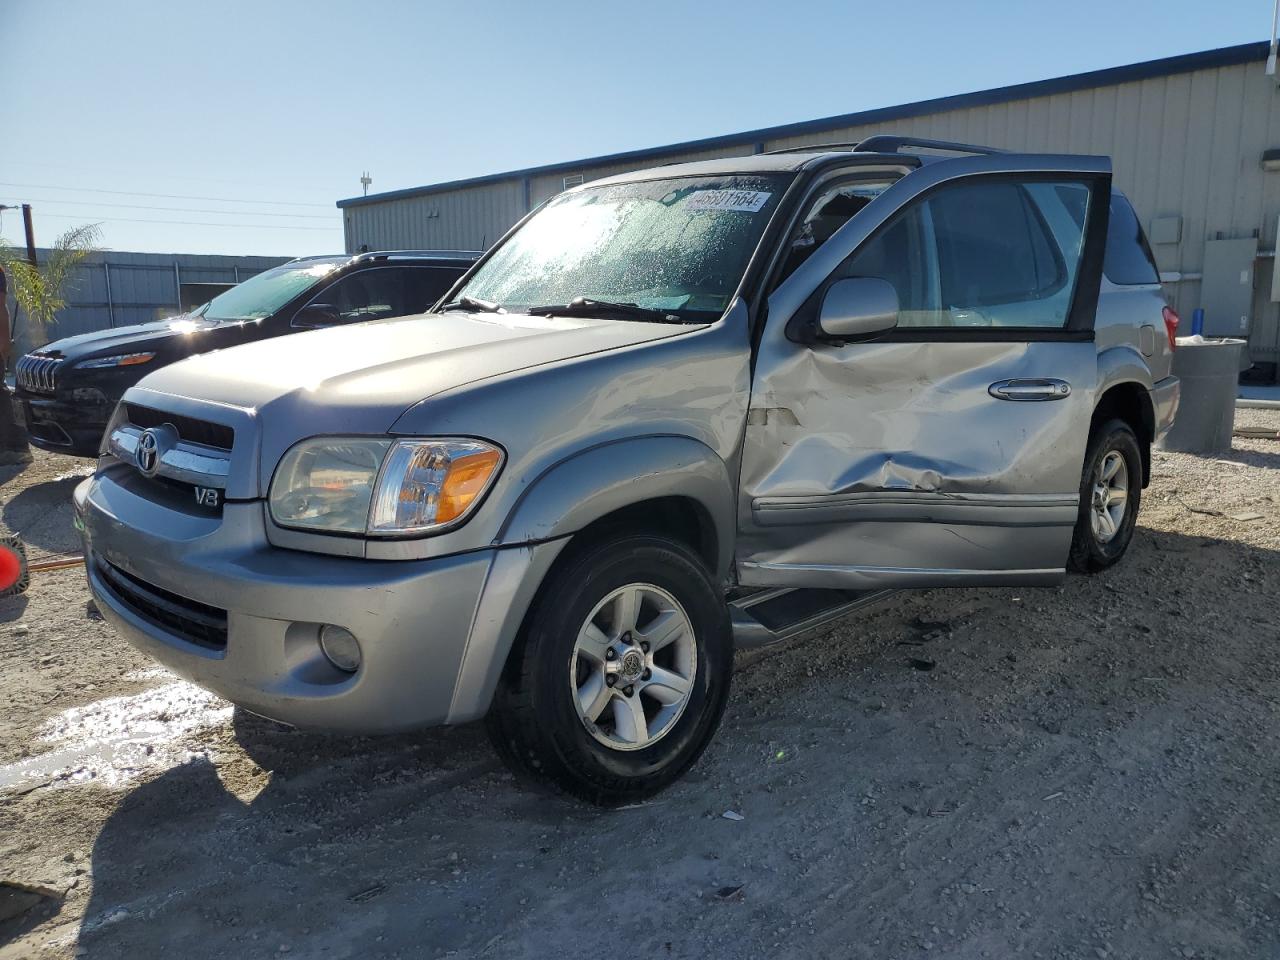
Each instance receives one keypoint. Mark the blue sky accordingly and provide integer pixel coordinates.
(249, 119)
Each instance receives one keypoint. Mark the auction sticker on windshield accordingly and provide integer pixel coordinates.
(748, 201)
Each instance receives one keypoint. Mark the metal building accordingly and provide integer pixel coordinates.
(1195, 141)
(114, 289)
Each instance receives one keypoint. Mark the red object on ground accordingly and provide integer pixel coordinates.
(10, 566)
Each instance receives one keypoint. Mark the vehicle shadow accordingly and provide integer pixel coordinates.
(284, 842)
(201, 828)
(42, 516)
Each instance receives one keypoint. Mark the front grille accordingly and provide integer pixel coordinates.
(37, 373)
(189, 428)
(190, 620)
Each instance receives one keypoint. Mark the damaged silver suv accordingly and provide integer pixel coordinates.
(673, 411)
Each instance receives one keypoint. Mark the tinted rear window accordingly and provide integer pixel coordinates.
(1128, 258)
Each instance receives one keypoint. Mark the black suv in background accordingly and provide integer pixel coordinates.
(68, 389)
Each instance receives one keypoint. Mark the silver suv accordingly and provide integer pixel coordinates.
(673, 411)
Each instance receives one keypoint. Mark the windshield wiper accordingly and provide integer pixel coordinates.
(474, 304)
(584, 307)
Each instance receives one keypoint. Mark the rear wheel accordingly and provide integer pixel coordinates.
(621, 675)
(1110, 493)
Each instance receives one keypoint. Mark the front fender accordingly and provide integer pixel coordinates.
(597, 481)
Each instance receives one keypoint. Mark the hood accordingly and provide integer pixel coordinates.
(383, 367)
(124, 339)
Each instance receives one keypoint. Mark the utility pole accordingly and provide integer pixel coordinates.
(31, 233)
(1271, 55)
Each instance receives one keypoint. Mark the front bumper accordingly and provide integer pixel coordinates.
(433, 633)
(61, 427)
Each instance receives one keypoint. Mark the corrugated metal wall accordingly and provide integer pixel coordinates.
(471, 218)
(142, 287)
(1185, 145)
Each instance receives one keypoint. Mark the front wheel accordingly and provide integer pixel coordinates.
(621, 675)
(1110, 493)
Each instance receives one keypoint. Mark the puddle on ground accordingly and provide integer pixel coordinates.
(78, 473)
(114, 741)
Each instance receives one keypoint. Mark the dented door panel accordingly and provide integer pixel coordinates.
(914, 461)
(918, 469)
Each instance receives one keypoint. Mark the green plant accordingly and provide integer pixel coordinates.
(41, 290)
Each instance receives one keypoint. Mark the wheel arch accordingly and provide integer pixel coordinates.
(664, 484)
(1129, 401)
(670, 485)
(1124, 392)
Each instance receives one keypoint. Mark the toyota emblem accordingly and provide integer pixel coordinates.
(147, 453)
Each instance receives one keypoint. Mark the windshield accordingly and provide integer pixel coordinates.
(679, 245)
(264, 294)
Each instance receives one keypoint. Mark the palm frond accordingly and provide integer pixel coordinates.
(41, 291)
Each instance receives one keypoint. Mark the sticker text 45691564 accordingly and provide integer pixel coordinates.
(747, 201)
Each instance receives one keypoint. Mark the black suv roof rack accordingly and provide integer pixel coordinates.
(889, 144)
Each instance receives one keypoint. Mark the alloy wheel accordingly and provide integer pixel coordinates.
(633, 666)
(1110, 496)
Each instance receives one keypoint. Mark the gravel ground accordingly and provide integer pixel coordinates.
(1087, 771)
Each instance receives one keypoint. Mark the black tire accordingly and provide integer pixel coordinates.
(1089, 551)
(534, 722)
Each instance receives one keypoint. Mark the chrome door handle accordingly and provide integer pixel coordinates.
(1048, 389)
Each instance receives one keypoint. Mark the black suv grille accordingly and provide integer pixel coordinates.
(195, 622)
(189, 428)
(37, 373)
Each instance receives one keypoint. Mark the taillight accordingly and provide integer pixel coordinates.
(1171, 321)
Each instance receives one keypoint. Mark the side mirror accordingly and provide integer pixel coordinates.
(858, 307)
(317, 315)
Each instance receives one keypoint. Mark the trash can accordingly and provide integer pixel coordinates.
(1208, 370)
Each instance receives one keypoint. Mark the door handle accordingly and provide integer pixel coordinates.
(1046, 389)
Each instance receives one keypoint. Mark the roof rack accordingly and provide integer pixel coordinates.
(887, 144)
(419, 254)
(814, 148)
(892, 144)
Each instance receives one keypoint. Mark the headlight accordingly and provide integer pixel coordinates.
(120, 360)
(358, 485)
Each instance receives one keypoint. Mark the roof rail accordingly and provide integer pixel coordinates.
(419, 254)
(814, 148)
(892, 144)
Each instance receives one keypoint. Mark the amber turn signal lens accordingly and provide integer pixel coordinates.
(466, 480)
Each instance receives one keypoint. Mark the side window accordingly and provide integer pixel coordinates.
(1128, 258)
(363, 295)
(982, 254)
(830, 210)
(429, 284)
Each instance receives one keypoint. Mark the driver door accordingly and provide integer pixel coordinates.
(947, 449)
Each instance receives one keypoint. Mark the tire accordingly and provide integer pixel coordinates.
(558, 673)
(1113, 448)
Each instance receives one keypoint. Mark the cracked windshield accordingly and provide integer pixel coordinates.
(678, 245)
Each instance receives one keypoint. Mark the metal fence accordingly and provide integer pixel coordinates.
(116, 289)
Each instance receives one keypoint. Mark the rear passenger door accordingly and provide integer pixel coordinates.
(948, 450)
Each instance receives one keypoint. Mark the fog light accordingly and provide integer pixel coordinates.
(340, 647)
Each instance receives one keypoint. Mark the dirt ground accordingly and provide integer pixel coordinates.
(1087, 771)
